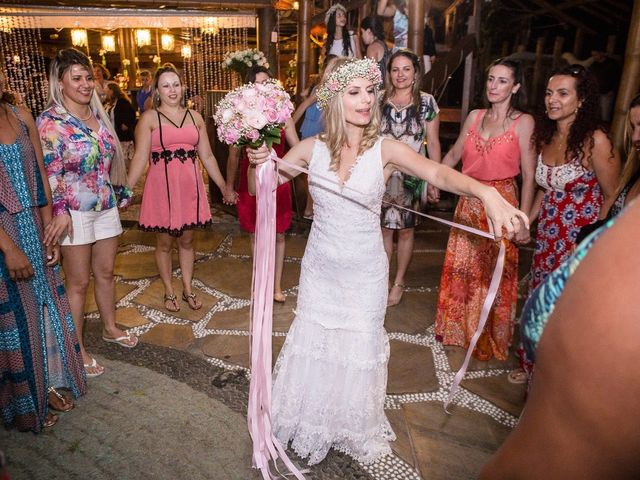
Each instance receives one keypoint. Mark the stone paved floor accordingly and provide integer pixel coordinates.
(212, 343)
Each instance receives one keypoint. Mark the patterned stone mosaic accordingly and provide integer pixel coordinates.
(421, 369)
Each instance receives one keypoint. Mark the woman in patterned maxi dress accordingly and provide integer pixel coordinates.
(38, 344)
(495, 146)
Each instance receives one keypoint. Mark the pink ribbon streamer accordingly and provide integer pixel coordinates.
(265, 446)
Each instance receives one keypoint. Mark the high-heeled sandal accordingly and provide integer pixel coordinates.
(61, 403)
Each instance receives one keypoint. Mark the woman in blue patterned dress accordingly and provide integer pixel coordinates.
(38, 343)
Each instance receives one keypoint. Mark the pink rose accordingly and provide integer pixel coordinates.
(256, 120)
(253, 135)
(271, 116)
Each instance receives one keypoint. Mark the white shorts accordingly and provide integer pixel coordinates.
(91, 226)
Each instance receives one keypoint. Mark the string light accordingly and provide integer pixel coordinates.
(143, 37)
(167, 42)
(109, 43)
(79, 37)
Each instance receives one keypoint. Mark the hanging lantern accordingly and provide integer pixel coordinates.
(186, 50)
(109, 43)
(167, 42)
(143, 37)
(79, 37)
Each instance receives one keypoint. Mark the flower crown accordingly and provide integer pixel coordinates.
(343, 75)
(337, 6)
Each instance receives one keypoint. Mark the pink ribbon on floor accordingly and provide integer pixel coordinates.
(265, 445)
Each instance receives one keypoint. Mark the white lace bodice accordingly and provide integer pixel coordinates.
(557, 177)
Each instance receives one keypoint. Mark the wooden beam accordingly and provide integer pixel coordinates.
(304, 44)
(416, 26)
(562, 6)
(630, 80)
(559, 14)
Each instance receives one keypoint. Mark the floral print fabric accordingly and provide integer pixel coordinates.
(77, 160)
(573, 200)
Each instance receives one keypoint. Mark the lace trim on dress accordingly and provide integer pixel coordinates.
(175, 232)
(558, 176)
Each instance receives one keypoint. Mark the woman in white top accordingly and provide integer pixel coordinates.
(340, 40)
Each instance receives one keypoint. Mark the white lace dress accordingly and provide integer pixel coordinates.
(331, 375)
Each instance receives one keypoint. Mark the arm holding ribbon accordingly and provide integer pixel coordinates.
(500, 214)
(298, 156)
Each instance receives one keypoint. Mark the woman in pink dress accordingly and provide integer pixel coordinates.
(171, 138)
(246, 203)
(495, 147)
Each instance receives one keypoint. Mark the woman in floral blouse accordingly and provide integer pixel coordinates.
(84, 161)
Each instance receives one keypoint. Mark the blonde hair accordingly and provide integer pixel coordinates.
(335, 134)
(632, 164)
(60, 65)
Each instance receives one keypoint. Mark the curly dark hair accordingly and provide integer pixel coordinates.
(331, 35)
(587, 117)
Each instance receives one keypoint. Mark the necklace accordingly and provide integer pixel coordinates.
(79, 117)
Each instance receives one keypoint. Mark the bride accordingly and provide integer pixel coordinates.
(331, 375)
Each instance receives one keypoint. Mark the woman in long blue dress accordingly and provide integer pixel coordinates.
(38, 344)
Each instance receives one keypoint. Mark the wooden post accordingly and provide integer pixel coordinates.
(467, 87)
(557, 51)
(266, 22)
(505, 49)
(578, 42)
(416, 26)
(630, 80)
(537, 69)
(129, 52)
(611, 45)
(304, 29)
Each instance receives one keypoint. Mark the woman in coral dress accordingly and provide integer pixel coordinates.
(171, 138)
(495, 146)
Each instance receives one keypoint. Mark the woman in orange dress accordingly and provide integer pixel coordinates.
(495, 146)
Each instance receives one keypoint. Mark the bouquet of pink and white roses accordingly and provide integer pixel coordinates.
(253, 114)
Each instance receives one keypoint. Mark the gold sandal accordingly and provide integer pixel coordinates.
(193, 297)
(64, 406)
(174, 300)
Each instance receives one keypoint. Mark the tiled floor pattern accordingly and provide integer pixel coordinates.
(431, 443)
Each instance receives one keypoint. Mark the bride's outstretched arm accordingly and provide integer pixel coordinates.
(500, 213)
(299, 155)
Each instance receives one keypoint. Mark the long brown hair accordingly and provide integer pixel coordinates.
(390, 90)
(632, 165)
(335, 134)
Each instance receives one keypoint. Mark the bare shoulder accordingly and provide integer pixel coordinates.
(392, 149)
(526, 123)
(24, 114)
(601, 139)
